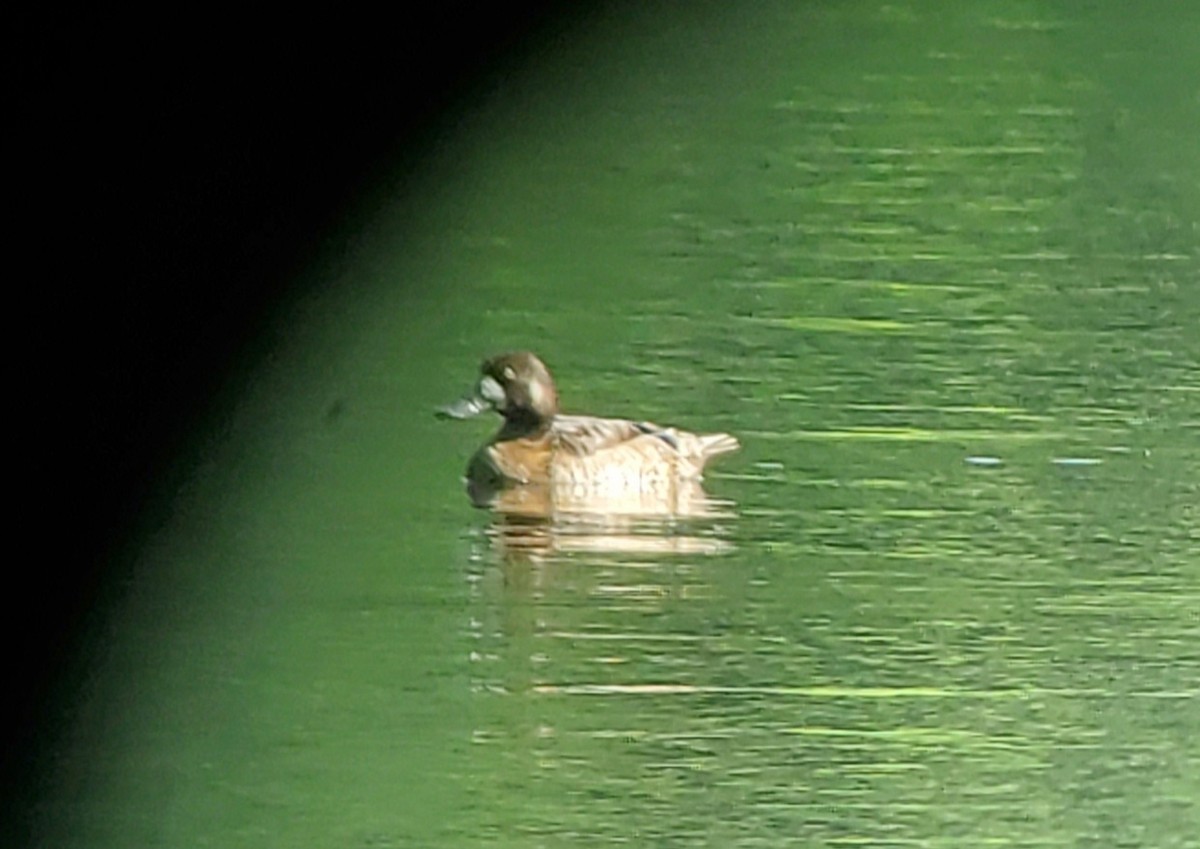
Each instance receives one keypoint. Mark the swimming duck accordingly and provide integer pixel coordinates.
(585, 456)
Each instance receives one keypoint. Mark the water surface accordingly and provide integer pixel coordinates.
(936, 266)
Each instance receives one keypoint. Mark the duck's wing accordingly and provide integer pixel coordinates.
(588, 435)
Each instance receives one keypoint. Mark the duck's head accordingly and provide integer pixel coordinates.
(518, 386)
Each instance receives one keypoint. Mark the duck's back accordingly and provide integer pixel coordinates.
(591, 448)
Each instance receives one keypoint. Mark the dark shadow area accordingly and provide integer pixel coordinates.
(182, 182)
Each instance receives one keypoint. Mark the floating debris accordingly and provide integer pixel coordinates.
(984, 461)
(1076, 461)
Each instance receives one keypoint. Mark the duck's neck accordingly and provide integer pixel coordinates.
(524, 424)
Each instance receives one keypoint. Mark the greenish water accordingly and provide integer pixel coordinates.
(936, 266)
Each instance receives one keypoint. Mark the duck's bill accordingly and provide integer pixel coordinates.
(466, 408)
(489, 395)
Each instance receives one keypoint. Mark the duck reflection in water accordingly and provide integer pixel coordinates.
(559, 474)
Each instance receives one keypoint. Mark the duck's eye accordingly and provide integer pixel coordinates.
(510, 373)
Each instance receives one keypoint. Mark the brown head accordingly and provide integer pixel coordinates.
(516, 385)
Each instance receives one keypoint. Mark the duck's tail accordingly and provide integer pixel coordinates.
(715, 444)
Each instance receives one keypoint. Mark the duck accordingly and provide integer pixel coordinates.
(578, 456)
